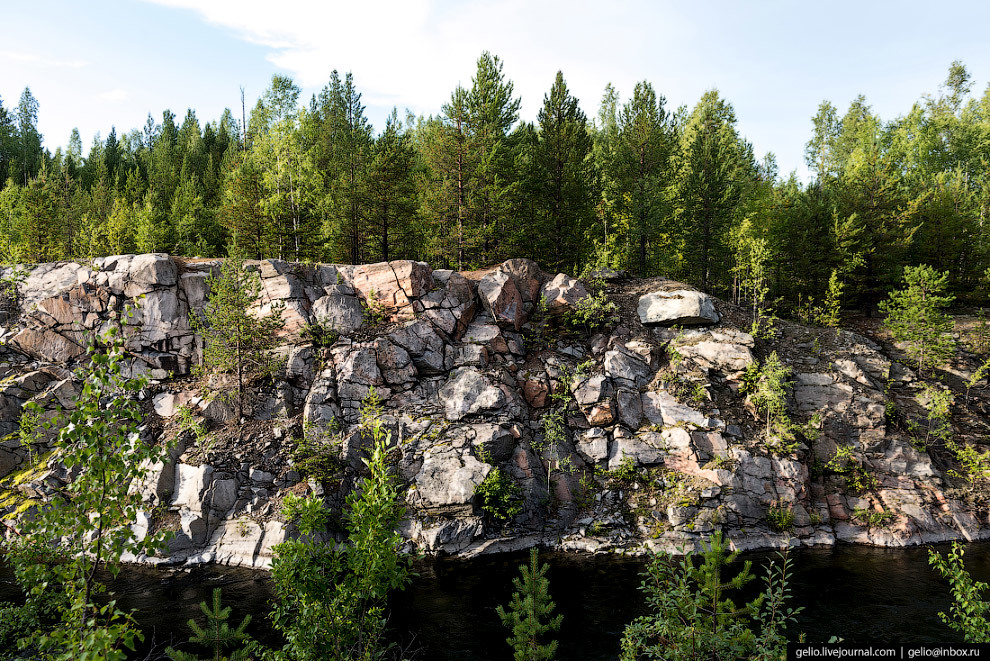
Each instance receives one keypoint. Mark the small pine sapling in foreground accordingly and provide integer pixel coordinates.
(529, 616)
(692, 615)
(217, 634)
(970, 612)
(915, 316)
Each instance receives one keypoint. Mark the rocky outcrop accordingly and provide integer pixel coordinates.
(638, 436)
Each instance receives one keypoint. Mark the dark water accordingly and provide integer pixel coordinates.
(448, 612)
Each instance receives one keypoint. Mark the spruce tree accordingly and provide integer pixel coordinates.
(529, 616)
(217, 634)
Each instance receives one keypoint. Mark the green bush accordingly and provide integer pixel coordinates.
(500, 497)
(780, 518)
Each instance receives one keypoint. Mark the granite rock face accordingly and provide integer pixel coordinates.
(635, 437)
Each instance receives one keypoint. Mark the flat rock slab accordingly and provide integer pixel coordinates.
(681, 306)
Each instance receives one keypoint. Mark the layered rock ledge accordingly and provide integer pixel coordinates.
(660, 446)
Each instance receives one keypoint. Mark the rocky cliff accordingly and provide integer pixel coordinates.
(642, 423)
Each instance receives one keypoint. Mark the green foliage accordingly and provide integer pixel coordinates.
(780, 517)
(318, 335)
(594, 312)
(970, 611)
(217, 634)
(529, 616)
(315, 454)
(915, 316)
(858, 479)
(625, 471)
(937, 402)
(872, 518)
(235, 340)
(374, 312)
(197, 428)
(500, 497)
(87, 525)
(830, 312)
(975, 465)
(692, 615)
(330, 599)
(769, 395)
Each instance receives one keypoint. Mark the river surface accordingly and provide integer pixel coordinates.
(448, 612)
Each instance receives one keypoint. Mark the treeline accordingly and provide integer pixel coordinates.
(643, 186)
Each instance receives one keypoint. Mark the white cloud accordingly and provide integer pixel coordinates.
(115, 95)
(42, 61)
(412, 53)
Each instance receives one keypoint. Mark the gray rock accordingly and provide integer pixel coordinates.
(592, 444)
(592, 389)
(492, 441)
(447, 481)
(627, 366)
(343, 314)
(630, 403)
(149, 272)
(467, 392)
(501, 299)
(682, 307)
(562, 293)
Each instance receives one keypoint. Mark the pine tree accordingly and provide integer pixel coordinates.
(236, 340)
(712, 171)
(491, 111)
(645, 135)
(915, 315)
(341, 150)
(217, 634)
(562, 195)
(529, 616)
(391, 193)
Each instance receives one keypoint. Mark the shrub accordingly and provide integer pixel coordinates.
(780, 518)
(692, 616)
(500, 496)
(969, 611)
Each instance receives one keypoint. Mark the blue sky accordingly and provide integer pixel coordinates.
(104, 63)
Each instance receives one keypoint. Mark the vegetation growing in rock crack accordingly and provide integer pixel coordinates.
(235, 340)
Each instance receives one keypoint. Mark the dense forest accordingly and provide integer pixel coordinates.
(641, 186)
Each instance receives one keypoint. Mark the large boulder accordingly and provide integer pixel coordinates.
(680, 307)
(563, 293)
(501, 299)
(447, 480)
(393, 286)
(150, 271)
